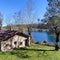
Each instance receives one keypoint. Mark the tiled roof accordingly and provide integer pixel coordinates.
(8, 34)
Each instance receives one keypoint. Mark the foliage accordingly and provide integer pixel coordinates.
(53, 12)
(54, 21)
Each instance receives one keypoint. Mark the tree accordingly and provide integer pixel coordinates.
(29, 13)
(57, 32)
(53, 8)
(54, 20)
(9, 22)
(53, 12)
(53, 15)
(38, 21)
(17, 17)
(29, 9)
(1, 19)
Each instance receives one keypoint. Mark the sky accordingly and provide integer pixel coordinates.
(9, 7)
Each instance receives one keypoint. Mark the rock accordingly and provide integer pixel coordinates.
(45, 41)
(37, 42)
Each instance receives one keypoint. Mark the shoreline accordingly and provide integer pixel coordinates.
(45, 43)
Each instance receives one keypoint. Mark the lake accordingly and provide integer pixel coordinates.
(41, 36)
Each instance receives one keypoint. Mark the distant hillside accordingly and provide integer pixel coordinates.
(23, 27)
(15, 27)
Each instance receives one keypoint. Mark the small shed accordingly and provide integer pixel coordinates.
(13, 39)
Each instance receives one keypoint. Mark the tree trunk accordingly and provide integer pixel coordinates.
(29, 30)
(57, 40)
(0, 27)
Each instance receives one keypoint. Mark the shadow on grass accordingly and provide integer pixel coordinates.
(23, 53)
(45, 56)
(34, 49)
(19, 53)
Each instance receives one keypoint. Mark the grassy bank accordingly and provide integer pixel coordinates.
(35, 52)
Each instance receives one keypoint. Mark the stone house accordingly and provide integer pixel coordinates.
(13, 39)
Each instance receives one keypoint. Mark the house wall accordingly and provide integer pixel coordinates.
(20, 41)
(28, 42)
(14, 42)
(6, 45)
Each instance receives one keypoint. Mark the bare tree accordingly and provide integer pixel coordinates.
(29, 13)
(1, 19)
(29, 9)
(9, 22)
(17, 17)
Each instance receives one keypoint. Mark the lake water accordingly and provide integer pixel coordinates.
(41, 36)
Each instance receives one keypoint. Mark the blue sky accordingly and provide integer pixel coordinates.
(10, 6)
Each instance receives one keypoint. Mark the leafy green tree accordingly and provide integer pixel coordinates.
(53, 17)
(53, 12)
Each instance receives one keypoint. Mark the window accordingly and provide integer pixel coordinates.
(20, 43)
(7, 45)
(15, 42)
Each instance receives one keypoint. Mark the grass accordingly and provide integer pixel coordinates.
(35, 52)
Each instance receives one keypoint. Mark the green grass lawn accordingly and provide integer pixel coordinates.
(35, 52)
